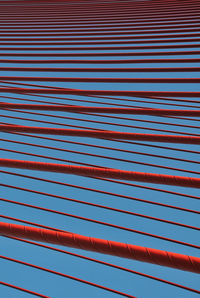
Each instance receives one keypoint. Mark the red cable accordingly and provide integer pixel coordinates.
(106, 192)
(109, 23)
(103, 134)
(100, 122)
(92, 121)
(176, 46)
(102, 92)
(136, 143)
(32, 223)
(135, 54)
(102, 20)
(106, 116)
(158, 25)
(125, 61)
(95, 69)
(68, 276)
(112, 41)
(97, 205)
(105, 263)
(22, 289)
(144, 254)
(103, 207)
(106, 110)
(109, 225)
(94, 146)
(103, 172)
(132, 28)
(133, 18)
(103, 97)
(99, 156)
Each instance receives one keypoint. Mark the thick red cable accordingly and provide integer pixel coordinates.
(103, 172)
(106, 110)
(95, 155)
(102, 69)
(136, 143)
(31, 223)
(94, 61)
(58, 20)
(105, 263)
(149, 255)
(100, 20)
(103, 134)
(22, 289)
(122, 11)
(92, 121)
(104, 103)
(106, 23)
(106, 41)
(108, 54)
(112, 226)
(157, 30)
(156, 25)
(102, 48)
(98, 156)
(102, 92)
(105, 97)
(156, 33)
(106, 116)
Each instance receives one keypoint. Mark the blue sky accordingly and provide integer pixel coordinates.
(55, 286)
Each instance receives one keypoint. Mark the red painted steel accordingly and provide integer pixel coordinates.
(102, 172)
(144, 254)
(106, 110)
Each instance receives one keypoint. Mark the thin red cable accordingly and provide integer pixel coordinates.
(105, 116)
(103, 134)
(111, 41)
(31, 223)
(157, 25)
(103, 207)
(95, 146)
(108, 54)
(108, 22)
(92, 121)
(22, 289)
(128, 142)
(98, 156)
(67, 276)
(106, 264)
(97, 205)
(103, 97)
(101, 20)
(157, 30)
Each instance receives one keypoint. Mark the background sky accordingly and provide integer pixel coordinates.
(57, 286)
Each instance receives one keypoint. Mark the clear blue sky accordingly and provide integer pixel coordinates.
(55, 286)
